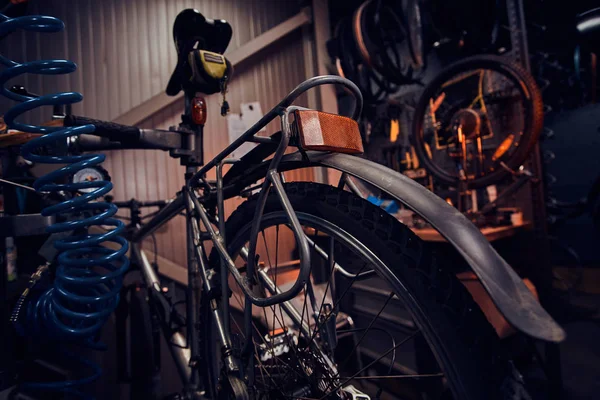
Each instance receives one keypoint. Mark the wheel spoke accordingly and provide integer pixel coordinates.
(374, 362)
(266, 247)
(391, 295)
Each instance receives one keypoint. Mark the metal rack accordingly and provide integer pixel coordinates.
(542, 271)
(533, 194)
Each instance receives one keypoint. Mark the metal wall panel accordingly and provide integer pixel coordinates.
(125, 55)
(124, 48)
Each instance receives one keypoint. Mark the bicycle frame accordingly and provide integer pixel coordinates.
(200, 228)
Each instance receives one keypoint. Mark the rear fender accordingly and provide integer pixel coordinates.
(512, 297)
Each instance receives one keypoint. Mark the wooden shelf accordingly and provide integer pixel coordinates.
(490, 232)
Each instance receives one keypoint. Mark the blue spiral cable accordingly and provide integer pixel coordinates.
(88, 276)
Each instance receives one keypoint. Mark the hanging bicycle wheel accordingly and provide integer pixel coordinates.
(379, 316)
(477, 120)
(389, 39)
(349, 64)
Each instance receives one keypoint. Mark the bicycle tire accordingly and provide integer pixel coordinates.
(350, 65)
(368, 41)
(456, 329)
(532, 127)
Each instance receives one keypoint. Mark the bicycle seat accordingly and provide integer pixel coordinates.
(200, 43)
(588, 26)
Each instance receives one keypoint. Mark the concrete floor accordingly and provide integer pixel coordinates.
(580, 362)
(580, 357)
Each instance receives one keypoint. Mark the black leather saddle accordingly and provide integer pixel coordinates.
(588, 26)
(194, 35)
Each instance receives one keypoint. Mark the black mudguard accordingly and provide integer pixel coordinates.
(505, 287)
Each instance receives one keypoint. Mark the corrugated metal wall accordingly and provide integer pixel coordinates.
(124, 48)
(125, 55)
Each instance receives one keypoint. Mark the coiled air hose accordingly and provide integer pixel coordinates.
(88, 276)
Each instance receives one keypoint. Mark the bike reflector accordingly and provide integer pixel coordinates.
(328, 132)
(199, 110)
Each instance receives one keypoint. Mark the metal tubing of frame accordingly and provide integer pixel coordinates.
(192, 304)
(262, 139)
(150, 276)
(162, 217)
(221, 213)
(254, 232)
(346, 181)
(196, 243)
(251, 261)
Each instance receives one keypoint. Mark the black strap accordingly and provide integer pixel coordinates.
(112, 131)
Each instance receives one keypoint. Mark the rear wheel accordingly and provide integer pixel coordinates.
(379, 317)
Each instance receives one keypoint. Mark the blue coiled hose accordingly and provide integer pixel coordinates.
(88, 276)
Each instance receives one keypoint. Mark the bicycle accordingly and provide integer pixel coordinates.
(257, 329)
